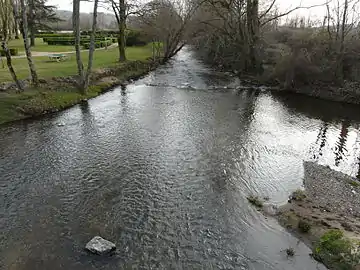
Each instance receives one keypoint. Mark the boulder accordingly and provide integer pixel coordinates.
(99, 245)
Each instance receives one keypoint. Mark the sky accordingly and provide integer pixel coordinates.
(316, 13)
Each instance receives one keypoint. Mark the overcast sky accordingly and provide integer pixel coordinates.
(283, 5)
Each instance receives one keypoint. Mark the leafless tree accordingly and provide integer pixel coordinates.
(24, 32)
(84, 76)
(167, 22)
(342, 18)
(122, 10)
(234, 28)
(6, 18)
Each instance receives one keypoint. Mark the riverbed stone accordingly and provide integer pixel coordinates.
(270, 209)
(99, 245)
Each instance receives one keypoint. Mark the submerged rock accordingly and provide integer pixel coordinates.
(270, 209)
(99, 245)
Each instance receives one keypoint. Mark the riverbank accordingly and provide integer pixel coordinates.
(348, 93)
(59, 93)
(325, 215)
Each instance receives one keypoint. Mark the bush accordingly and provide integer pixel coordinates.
(13, 52)
(71, 40)
(304, 226)
(135, 38)
(98, 44)
(334, 250)
(298, 195)
(290, 252)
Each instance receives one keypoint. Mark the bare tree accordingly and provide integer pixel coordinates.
(6, 18)
(77, 34)
(24, 32)
(123, 9)
(15, 6)
(232, 30)
(341, 18)
(167, 22)
(84, 77)
(120, 10)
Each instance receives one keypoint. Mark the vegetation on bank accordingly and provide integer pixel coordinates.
(48, 69)
(40, 46)
(256, 201)
(58, 92)
(298, 54)
(325, 216)
(336, 251)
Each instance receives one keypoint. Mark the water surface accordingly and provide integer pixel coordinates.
(162, 168)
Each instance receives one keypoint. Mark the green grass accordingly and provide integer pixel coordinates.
(47, 69)
(14, 106)
(304, 226)
(336, 251)
(298, 195)
(40, 46)
(354, 183)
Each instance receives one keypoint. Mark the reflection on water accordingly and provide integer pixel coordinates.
(321, 140)
(340, 148)
(337, 143)
(162, 167)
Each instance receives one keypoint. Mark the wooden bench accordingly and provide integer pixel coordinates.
(58, 57)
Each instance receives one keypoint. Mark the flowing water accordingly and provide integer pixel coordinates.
(162, 168)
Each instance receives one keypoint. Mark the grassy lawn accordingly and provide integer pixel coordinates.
(40, 46)
(46, 68)
(15, 106)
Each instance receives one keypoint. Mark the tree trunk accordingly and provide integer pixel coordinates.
(122, 27)
(253, 62)
(77, 34)
(9, 64)
(32, 36)
(92, 46)
(31, 22)
(340, 58)
(16, 20)
(34, 76)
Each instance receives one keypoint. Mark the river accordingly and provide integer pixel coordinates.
(162, 167)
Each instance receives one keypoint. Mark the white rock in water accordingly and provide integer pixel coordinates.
(270, 209)
(99, 245)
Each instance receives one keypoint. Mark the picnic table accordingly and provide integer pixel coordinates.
(58, 57)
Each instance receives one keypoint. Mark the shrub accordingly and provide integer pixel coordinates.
(290, 252)
(304, 226)
(13, 52)
(256, 201)
(298, 195)
(354, 183)
(334, 250)
(135, 38)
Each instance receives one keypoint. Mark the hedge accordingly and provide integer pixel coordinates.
(133, 38)
(13, 52)
(71, 40)
(98, 44)
(136, 38)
